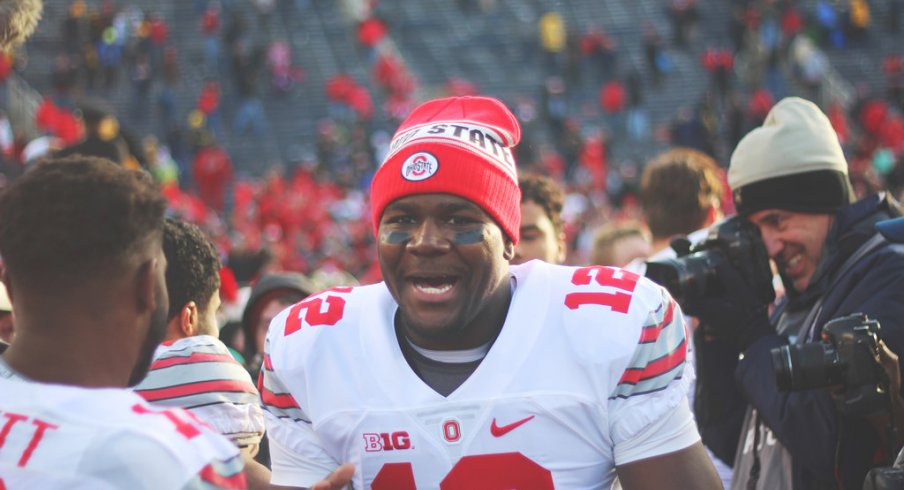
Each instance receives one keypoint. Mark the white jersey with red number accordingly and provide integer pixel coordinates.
(587, 373)
(71, 438)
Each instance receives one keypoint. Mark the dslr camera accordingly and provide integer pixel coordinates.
(733, 242)
(847, 357)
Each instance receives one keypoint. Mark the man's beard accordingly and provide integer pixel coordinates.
(156, 332)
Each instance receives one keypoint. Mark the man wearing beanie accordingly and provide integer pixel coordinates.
(789, 177)
(461, 371)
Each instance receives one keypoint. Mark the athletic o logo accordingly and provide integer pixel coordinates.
(419, 166)
(451, 431)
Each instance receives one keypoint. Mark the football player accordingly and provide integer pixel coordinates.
(461, 371)
(192, 368)
(81, 240)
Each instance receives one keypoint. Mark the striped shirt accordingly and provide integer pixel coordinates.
(199, 374)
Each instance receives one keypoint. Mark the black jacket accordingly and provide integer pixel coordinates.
(806, 422)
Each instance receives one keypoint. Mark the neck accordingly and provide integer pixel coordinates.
(70, 356)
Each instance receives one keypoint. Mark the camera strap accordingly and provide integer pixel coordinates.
(754, 476)
(807, 330)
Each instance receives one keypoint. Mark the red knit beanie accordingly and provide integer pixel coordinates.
(455, 145)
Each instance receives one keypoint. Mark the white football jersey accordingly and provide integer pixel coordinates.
(65, 437)
(587, 373)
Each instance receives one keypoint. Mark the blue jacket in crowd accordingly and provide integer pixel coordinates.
(806, 423)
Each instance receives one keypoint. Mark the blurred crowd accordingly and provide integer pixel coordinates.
(308, 213)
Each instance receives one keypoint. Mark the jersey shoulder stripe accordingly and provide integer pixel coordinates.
(275, 397)
(660, 354)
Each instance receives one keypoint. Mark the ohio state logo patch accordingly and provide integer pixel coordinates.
(420, 166)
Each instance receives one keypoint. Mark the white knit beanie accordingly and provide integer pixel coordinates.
(793, 161)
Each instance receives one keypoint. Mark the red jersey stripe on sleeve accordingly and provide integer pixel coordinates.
(651, 333)
(656, 367)
(278, 400)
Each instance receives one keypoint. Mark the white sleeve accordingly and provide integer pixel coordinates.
(652, 390)
(296, 458)
(676, 431)
(127, 460)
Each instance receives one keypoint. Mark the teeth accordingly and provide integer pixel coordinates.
(433, 289)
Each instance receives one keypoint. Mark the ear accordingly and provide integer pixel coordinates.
(508, 249)
(563, 248)
(188, 319)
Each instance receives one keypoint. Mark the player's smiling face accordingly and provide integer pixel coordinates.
(445, 261)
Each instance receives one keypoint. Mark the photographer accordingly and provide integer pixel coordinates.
(789, 177)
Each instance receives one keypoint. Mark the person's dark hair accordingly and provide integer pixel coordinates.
(75, 216)
(193, 267)
(677, 189)
(546, 193)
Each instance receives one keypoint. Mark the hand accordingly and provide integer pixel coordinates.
(734, 314)
(337, 480)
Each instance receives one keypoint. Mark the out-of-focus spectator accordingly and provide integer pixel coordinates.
(283, 74)
(64, 78)
(657, 59)
(553, 36)
(209, 105)
(101, 137)
(542, 230)
(247, 64)
(681, 193)
(618, 244)
(719, 63)
(109, 56)
(160, 163)
(689, 130)
(212, 171)
(270, 295)
(210, 31)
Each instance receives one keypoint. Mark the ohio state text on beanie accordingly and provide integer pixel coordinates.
(455, 145)
(793, 162)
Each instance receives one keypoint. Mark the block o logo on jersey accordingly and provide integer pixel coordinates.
(452, 431)
(420, 166)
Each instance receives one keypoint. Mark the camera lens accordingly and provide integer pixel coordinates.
(804, 367)
(687, 277)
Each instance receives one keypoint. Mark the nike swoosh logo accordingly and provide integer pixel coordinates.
(499, 431)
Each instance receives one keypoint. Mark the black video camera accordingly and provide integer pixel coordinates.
(847, 356)
(733, 241)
